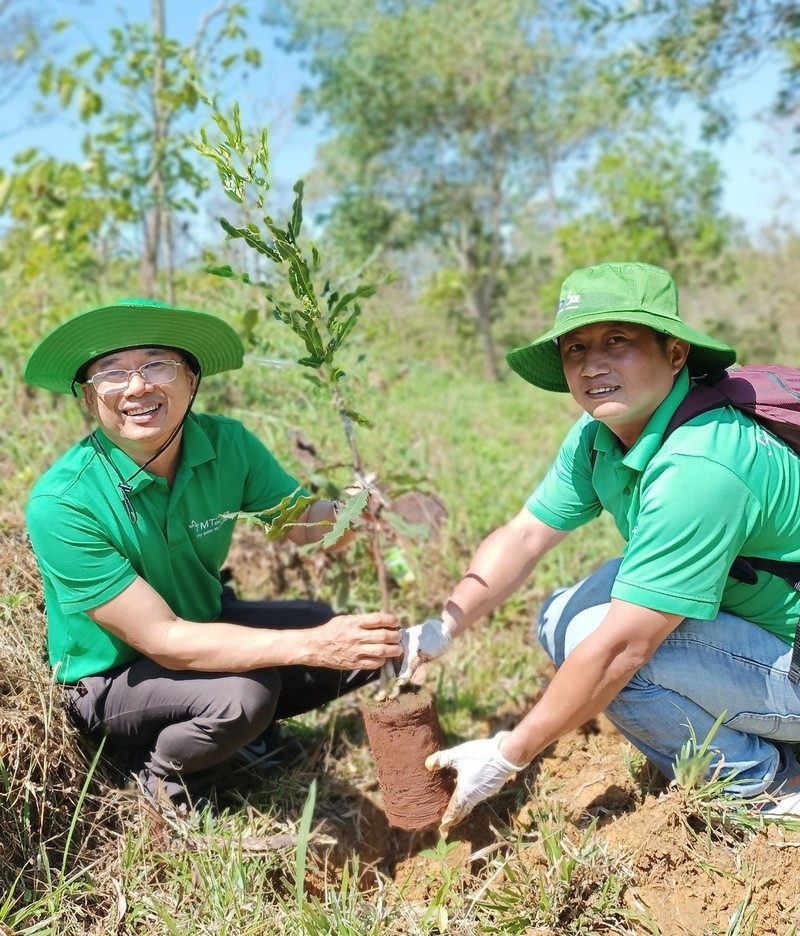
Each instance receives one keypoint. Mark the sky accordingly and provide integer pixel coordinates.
(756, 178)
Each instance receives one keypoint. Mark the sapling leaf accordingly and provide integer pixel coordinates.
(288, 515)
(361, 291)
(357, 418)
(349, 511)
(225, 271)
(344, 329)
(297, 209)
(251, 239)
(276, 519)
(403, 527)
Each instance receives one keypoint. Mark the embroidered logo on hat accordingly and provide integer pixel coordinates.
(570, 301)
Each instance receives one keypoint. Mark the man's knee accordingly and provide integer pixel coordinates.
(245, 702)
(571, 614)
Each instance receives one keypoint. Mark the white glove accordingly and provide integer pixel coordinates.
(421, 643)
(482, 770)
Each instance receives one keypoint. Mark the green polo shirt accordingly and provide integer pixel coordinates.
(89, 551)
(719, 487)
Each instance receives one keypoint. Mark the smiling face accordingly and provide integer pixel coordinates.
(620, 373)
(140, 418)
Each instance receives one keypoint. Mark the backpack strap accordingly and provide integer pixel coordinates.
(794, 669)
(702, 397)
(745, 569)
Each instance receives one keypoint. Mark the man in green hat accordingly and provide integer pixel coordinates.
(663, 640)
(131, 528)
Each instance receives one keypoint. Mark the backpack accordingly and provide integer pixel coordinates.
(770, 394)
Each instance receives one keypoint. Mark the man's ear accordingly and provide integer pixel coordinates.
(678, 351)
(89, 398)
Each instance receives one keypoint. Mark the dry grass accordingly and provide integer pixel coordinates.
(49, 825)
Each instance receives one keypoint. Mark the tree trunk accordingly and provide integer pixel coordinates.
(154, 214)
(480, 288)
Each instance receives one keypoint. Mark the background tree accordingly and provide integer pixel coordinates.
(137, 99)
(446, 119)
(24, 36)
(647, 196)
(699, 47)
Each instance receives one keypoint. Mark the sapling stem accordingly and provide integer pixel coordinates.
(243, 168)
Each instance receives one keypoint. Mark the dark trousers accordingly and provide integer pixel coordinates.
(183, 726)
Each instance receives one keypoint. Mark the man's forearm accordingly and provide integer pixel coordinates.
(502, 563)
(590, 678)
(230, 648)
(142, 619)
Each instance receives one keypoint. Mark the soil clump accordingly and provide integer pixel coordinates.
(402, 732)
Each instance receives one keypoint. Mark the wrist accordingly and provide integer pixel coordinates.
(449, 623)
(445, 632)
(510, 758)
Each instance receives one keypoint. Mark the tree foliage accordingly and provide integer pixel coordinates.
(24, 36)
(446, 119)
(699, 47)
(648, 197)
(138, 98)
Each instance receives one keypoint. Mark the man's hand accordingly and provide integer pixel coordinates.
(481, 771)
(421, 643)
(353, 641)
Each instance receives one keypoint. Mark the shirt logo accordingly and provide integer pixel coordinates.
(570, 301)
(202, 528)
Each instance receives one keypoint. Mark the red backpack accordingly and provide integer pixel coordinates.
(771, 395)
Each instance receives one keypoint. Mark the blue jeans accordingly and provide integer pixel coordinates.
(702, 669)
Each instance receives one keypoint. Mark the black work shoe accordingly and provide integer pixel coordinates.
(272, 748)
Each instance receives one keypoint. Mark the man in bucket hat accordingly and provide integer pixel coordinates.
(662, 640)
(130, 529)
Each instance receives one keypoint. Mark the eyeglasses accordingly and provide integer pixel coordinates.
(153, 373)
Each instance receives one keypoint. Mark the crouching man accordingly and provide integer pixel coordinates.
(664, 638)
(131, 527)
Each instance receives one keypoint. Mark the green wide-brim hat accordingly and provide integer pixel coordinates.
(131, 323)
(616, 292)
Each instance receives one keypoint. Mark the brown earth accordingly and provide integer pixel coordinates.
(691, 879)
(402, 732)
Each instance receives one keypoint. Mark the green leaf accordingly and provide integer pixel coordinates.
(46, 79)
(250, 238)
(404, 528)
(349, 511)
(361, 292)
(357, 418)
(297, 210)
(289, 511)
(303, 837)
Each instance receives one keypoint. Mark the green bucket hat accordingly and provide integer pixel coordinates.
(616, 292)
(131, 323)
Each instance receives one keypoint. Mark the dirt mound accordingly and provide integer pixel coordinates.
(690, 872)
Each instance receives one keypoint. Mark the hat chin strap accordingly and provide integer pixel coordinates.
(124, 484)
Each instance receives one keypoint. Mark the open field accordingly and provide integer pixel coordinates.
(585, 841)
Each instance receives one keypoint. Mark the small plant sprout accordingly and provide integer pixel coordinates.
(693, 763)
